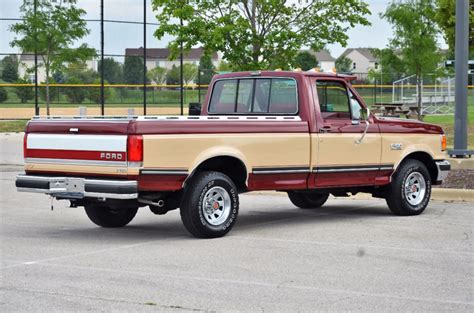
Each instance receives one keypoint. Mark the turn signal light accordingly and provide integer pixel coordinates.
(443, 142)
(25, 144)
(135, 148)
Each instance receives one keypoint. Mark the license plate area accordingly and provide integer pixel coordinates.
(67, 185)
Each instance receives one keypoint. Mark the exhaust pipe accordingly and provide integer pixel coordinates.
(160, 203)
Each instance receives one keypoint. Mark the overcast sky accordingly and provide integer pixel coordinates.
(121, 36)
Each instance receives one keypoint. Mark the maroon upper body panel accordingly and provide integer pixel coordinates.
(308, 111)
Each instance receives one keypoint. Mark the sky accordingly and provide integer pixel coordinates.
(121, 36)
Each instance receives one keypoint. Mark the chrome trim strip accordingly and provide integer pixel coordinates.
(75, 162)
(239, 118)
(163, 172)
(276, 171)
(342, 169)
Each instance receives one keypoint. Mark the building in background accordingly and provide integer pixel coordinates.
(362, 61)
(325, 60)
(27, 62)
(160, 57)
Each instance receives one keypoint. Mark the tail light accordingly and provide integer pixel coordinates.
(25, 145)
(443, 142)
(135, 148)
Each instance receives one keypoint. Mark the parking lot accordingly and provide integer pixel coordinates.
(349, 255)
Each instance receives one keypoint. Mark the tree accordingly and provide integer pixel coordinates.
(415, 31)
(80, 73)
(306, 61)
(113, 72)
(75, 94)
(446, 19)
(189, 73)
(94, 93)
(3, 94)
(390, 66)
(224, 66)
(24, 93)
(157, 75)
(133, 70)
(173, 76)
(343, 64)
(50, 31)
(206, 68)
(10, 69)
(257, 35)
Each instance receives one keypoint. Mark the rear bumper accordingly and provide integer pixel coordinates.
(78, 188)
(443, 169)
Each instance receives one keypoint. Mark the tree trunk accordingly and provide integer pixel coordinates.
(419, 96)
(47, 90)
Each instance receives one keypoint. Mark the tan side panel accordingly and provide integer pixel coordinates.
(102, 170)
(341, 149)
(430, 143)
(255, 150)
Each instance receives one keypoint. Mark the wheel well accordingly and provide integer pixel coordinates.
(427, 160)
(231, 166)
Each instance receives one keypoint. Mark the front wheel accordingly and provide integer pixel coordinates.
(306, 200)
(410, 190)
(210, 205)
(106, 216)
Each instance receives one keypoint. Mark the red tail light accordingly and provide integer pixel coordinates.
(25, 143)
(135, 148)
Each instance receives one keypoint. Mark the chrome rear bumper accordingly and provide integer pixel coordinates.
(78, 188)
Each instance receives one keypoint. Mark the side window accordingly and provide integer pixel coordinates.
(283, 96)
(223, 96)
(333, 99)
(244, 96)
(254, 96)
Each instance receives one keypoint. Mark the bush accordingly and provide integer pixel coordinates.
(75, 94)
(94, 92)
(24, 93)
(3, 94)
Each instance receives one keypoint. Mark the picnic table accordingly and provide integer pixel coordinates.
(396, 109)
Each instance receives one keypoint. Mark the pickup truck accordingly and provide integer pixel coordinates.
(307, 134)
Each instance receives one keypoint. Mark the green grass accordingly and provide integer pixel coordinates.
(12, 126)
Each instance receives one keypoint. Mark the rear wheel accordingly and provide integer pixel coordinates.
(105, 216)
(410, 190)
(210, 205)
(306, 200)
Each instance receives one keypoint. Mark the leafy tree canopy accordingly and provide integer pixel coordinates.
(257, 34)
(207, 69)
(343, 65)
(390, 67)
(157, 75)
(189, 73)
(173, 76)
(51, 31)
(113, 72)
(10, 69)
(133, 70)
(306, 61)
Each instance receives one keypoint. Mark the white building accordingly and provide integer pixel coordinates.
(362, 61)
(27, 62)
(160, 57)
(325, 60)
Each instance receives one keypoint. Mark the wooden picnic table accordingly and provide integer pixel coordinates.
(396, 108)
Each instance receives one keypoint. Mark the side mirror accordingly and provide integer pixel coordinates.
(364, 114)
(194, 108)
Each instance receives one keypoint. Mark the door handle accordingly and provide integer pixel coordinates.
(325, 129)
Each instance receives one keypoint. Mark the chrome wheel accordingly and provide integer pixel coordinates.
(216, 206)
(415, 188)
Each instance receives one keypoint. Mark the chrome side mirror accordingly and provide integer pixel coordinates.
(365, 115)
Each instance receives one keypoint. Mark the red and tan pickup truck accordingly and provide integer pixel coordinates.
(305, 133)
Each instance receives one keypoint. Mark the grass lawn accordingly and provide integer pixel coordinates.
(12, 126)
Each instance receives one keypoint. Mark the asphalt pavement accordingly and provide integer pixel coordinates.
(348, 255)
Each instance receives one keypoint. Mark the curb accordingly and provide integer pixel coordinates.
(437, 194)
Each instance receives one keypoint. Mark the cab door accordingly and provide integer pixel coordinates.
(342, 157)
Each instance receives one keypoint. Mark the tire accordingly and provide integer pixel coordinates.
(104, 216)
(410, 190)
(305, 200)
(210, 205)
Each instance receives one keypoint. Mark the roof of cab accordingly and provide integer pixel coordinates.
(285, 74)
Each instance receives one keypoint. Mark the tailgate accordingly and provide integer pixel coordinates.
(70, 147)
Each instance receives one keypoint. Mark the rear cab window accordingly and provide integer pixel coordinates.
(264, 96)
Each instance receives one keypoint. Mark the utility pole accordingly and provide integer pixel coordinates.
(181, 67)
(144, 57)
(36, 65)
(461, 67)
(102, 102)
